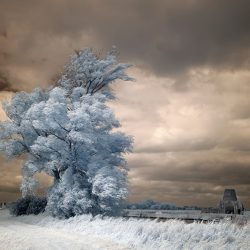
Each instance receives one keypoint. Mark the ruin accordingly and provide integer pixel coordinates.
(229, 204)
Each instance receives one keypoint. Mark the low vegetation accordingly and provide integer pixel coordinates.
(28, 205)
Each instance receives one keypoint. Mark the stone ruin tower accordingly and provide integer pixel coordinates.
(229, 204)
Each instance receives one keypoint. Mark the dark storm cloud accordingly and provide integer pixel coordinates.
(168, 37)
(183, 169)
(5, 84)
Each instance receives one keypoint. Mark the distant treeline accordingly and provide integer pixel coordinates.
(155, 205)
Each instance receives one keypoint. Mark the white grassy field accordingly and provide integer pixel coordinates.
(86, 232)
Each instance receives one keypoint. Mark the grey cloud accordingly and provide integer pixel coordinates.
(209, 169)
(168, 37)
(5, 84)
(185, 145)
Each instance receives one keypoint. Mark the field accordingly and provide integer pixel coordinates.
(86, 232)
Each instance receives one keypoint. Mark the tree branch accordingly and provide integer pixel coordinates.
(61, 125)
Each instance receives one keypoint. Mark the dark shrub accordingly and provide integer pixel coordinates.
(28, 205)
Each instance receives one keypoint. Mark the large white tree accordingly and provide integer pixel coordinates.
(68, 133)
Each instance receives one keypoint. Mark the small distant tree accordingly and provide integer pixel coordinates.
(68, 133)
(151, 204)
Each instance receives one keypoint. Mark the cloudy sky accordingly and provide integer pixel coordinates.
(189, 110)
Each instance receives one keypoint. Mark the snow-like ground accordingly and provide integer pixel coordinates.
(85, 232)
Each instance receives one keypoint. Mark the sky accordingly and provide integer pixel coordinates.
(189, 109)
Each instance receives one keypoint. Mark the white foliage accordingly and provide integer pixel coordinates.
(67, 132)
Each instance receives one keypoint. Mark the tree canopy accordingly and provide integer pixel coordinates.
(67, 132)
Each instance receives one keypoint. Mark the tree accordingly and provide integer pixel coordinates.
(68, 133)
